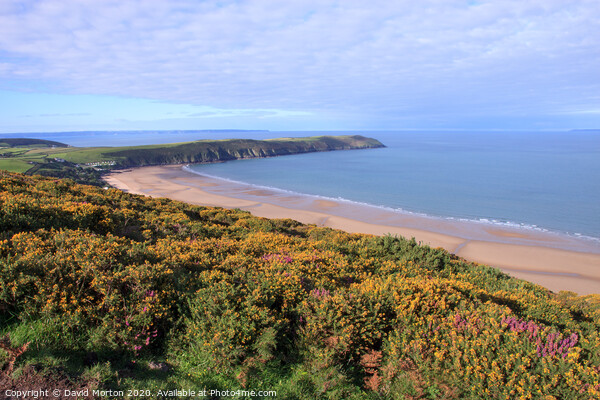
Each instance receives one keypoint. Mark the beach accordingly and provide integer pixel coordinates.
(553, 261)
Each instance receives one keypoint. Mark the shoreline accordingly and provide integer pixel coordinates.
(469, 229)
(537, 257)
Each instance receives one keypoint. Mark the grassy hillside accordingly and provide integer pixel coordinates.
(14, 165)
(103, 289)
(22, 142)
(215, 150)
(85, 165)
(20, 155)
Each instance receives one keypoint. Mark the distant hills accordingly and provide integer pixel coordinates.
(18, 142)
(225, 150)
(82, 164)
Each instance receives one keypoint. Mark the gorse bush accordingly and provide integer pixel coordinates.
(230, 299)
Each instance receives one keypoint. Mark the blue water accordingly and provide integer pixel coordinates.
(546, 180)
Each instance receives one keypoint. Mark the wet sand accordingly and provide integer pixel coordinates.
(554, 261)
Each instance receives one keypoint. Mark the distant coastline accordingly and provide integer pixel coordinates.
(86, 164)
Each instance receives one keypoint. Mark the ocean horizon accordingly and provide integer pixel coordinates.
(542, 181)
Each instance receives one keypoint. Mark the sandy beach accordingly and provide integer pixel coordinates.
(554, 261)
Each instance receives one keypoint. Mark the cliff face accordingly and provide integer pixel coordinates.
(225, 150)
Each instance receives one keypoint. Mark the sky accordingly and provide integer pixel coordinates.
(71, 65)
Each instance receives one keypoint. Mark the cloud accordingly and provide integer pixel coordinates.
(61, 115)
(260, 113)
(595, 111)
(376, 58)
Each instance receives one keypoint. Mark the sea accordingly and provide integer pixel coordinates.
(541, 181)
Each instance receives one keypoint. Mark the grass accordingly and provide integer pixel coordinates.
(85, 155)
(14, 164)
(12, 150)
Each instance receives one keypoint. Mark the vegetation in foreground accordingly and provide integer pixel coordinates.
(103, 289)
